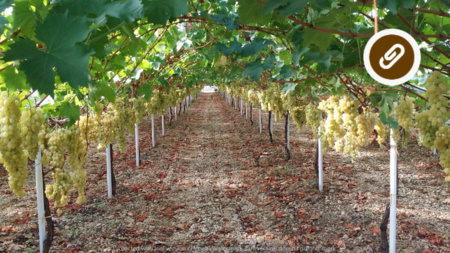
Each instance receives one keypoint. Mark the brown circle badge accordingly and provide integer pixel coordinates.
(392, 57)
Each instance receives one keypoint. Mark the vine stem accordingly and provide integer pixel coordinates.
(321, 76)
(42, 100)
(425, 39)
(14, 34)
(28, 95)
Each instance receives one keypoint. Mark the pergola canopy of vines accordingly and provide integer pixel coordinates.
(100, 49)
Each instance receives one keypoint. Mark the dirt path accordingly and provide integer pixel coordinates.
(214, 184)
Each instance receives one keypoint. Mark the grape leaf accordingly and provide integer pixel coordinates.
(322, 59)
(63, 54)
(251, 12)
(393, 5)
(297, 38)
(3, 5)
(128, 11)
(95, 10)
(234, 47)
(13, 81)
(288, 88)
(99, 89)
(100, 46)
(384, 101)
(321, 4)
(69, 111)
(23, 19)
(387, 120)
(226, 20)
(285, 7)
(287, 72)
(163, 81)
(145, 89)
(321, 39)
(253, 70)
(268, 63)
(254, 47)
(161, 11)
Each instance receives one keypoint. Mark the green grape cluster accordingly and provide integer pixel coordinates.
(179, 96)
(344, 128)
(252, 96)
(427, 133)
(131, 118)
(139, 109)
(366, 124)
(57, 141)
(154, 104)
(172, 98)
(12, 155)
(120, 123)
(348, 108)
(298, 116)
(164, 102)
(77, 150)
(429, 121)
(43, 144)
(262, 96)
(296, 109)
(404, 114)
(93, 123)
(333, 129)
(442, 140)
(106, 134)
(275, 102)
(313, 118)
(381, 131)
(31, 122)
(60, 187)
(433, 130)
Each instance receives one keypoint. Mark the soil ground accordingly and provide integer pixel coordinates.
(213, 183)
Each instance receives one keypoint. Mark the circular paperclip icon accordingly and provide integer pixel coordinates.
(391, 55)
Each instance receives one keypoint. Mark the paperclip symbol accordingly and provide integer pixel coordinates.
(391, 55)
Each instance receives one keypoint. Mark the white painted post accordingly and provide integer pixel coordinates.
(242, 111)
(40, 200)
(246, 110)
(153, 130)
(176, 114)
(109, 170)
(260, 121)
(393, 194)
(320, 162)
(162, 124)
(136, 137)
(287, 132)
